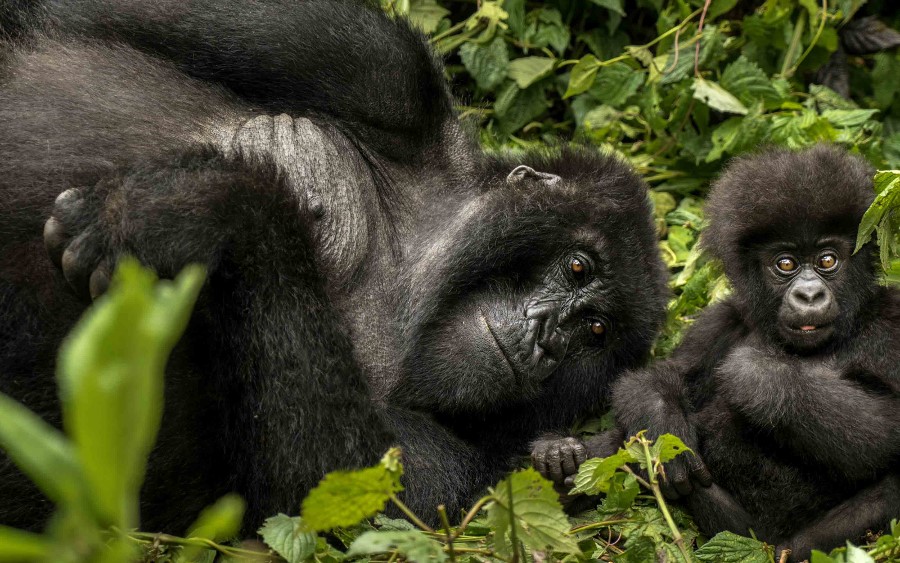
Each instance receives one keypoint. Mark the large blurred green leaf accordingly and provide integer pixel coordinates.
(111, 382)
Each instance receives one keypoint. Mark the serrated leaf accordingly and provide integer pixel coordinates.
(726, 547)
(582, 76)
(750, 83)
(623, 489)
(615, 83)
(594, 474)
(288, 537)
(849, 117)
(345, 498)
(887, 182)
(528, 70)
(667, 447)
(515, 108)
(716, 97)
(486, 63)
(110, 373)
(412, 545)
(526, 504)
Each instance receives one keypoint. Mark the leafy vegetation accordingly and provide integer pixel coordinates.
(676, 87)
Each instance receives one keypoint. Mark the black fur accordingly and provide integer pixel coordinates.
(373, 276)
(798, 429)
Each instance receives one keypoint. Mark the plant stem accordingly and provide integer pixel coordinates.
(654, 485)
(442, 512)
(815, 38)
(476, 508)
(410, 514)
(512, 524)
(792, 48)
(603, 524)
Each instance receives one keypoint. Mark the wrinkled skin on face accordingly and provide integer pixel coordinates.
(540, 289)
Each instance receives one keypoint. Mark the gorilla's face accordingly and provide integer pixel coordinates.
(535, 287)
(814, 287)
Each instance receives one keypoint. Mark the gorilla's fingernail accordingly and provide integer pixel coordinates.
(99, 282)
(67, 197)
(54, 239)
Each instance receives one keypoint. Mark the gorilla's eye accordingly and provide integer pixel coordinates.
(577, 266)
(827, 261)
(598, 328)
(786, 264)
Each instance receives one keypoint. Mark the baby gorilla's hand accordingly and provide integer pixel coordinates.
(558, 458)
(76, 244)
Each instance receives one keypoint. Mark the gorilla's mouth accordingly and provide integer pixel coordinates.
(497, 345)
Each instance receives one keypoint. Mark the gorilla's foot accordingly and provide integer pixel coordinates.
(76, 244)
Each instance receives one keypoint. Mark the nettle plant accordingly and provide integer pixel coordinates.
(111, 373)
(676, 87)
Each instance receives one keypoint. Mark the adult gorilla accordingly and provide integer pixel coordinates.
(373, 277)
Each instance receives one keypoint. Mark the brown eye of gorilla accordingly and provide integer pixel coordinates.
(786, 264)
(577, 266)
(598, 328)
(827, 261)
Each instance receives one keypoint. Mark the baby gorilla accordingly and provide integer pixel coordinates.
(788, 390)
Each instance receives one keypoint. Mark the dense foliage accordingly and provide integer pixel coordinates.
(674, 86)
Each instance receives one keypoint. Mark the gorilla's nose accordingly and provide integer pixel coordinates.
(809, 294)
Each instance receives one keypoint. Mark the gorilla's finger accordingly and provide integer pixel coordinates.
(700, 473)
(668, 490)
(68, 204)
(78, 262)
(570, 481)
(539, 459)
(55, 240)
(682, 484)
(569, 464)
(580, 454)
(554, 465)
(99, 281)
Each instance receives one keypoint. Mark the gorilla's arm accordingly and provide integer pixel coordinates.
(275, 353)
(870, 509)
(341, 59)
(820, 408)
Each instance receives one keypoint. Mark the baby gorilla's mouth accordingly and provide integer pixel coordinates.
(806, 329)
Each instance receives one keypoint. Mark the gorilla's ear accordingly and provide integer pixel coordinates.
(519, 173)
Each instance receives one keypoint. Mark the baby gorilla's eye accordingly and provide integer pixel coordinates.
(827, 261)
(786, 264)
(598, 328)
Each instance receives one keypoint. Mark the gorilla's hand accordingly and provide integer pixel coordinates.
(558, 458)
(682, 473)
(77, 244)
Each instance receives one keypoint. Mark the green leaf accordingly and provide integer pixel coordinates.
(288, 537)
(750, 83)
(526, 507)
(615, 83)
(582, 76)
(849, 117)
(412, 545)
(17, 546)
(611, 5)
(887, 182)
(427, 14)
(515, 108)
(486, 63)
(726, 547)
(111, 371)
(667, 447)
(594, 474)
(221, 521)
(41, 452)
(716, 97)
(345, 498)
(623, 489)
(528, 70)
